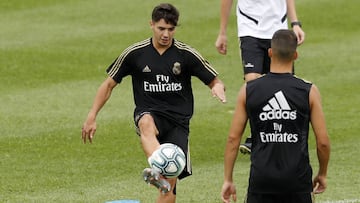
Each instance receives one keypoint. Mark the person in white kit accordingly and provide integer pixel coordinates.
(257, 21)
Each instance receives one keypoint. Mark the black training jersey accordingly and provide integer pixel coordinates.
(279, 113)
(162, 83)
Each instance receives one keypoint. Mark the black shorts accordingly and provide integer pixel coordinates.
(254, 55)
(279, 198)
(170, 132)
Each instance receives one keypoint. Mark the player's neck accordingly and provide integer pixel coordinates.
(281, 67)
(160, 48)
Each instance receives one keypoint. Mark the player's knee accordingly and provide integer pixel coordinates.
(147, 124)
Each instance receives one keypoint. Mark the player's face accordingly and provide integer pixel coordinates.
(163, 33)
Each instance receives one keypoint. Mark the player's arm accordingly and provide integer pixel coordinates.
(322, 138)
(236, 131)
(221, 41)
(292, 16)
(218, 89)
(102, 95)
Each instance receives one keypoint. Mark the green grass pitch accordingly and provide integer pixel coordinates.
(53, 56)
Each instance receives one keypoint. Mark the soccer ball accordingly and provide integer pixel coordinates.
(169, 159)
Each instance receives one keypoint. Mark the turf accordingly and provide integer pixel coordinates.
(52, 59)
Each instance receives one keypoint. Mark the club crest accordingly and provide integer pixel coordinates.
(176, 68)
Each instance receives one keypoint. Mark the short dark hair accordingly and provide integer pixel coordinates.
(167, 12)
(284, 44)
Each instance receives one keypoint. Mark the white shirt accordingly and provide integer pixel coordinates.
(261, 18)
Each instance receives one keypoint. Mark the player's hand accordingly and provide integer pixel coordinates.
(300, 34)
(228, 192)
(88, 130)
(319, 184)
(221, 44)
(218, 90)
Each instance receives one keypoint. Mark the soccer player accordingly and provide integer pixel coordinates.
(279, 107)
(256, 22)
(161, 68)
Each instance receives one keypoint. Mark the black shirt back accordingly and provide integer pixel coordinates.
(279, 113)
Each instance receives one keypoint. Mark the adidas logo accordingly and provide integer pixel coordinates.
(277, 108)
(249, 65)
(146, 69)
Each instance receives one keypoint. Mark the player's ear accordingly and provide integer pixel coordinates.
(270, 52)
(295, 55)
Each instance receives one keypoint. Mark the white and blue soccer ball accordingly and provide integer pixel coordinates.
(169, 159)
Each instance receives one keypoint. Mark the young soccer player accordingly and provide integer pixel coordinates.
(161, 68)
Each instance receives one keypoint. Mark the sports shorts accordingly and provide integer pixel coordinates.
(170, 132)
(279, 198)
(254, 55)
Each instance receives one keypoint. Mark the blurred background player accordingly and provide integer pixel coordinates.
(257, 21)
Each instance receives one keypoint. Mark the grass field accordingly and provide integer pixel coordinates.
(53, 56)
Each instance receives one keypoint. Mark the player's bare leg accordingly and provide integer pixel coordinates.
(149, 142)
(169, 197)
(148, 133)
